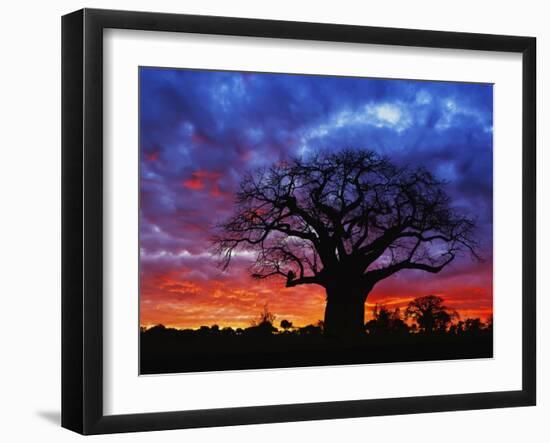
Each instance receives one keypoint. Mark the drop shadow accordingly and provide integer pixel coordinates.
(53, 417)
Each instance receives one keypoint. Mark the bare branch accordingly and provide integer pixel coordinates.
(348, 213)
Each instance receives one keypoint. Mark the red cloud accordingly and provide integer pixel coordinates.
(200, 138)
(153, 156)
(195, 184)
(215, 191)
(202, 179)
(208, 175)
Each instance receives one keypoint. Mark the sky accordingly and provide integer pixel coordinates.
(201, 130)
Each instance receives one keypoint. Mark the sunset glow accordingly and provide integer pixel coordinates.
(201, 130)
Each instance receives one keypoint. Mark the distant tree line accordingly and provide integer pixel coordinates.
(424, 315)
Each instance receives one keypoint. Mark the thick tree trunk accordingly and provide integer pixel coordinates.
(345, 312)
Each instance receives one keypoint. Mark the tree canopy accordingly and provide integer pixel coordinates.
(351, 213)
(430, 313)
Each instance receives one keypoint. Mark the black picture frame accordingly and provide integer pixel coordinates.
(82, 216)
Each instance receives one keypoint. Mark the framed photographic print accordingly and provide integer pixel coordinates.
(269, 221)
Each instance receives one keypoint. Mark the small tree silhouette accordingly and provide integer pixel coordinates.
(311, 330)
(457, 328)
(286, 325)
(430, 314)
(344, 221)
(385, 321)
(266, 317)
(473, 325)
(264, 324)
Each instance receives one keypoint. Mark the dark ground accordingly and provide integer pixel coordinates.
(170, 350)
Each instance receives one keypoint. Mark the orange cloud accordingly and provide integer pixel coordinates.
(187, 299)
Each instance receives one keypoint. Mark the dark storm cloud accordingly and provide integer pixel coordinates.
(199, 130)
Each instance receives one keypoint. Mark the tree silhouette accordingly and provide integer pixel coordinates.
(266, 317)
(385, 321)
(457, 328)
(344, 221)
(286, 325)
(473, 325)
(264, 324)
(430, 314)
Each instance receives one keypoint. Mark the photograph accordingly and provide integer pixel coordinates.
(294, 220)
(243, 222)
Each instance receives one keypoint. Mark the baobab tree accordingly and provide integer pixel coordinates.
(344, 221)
